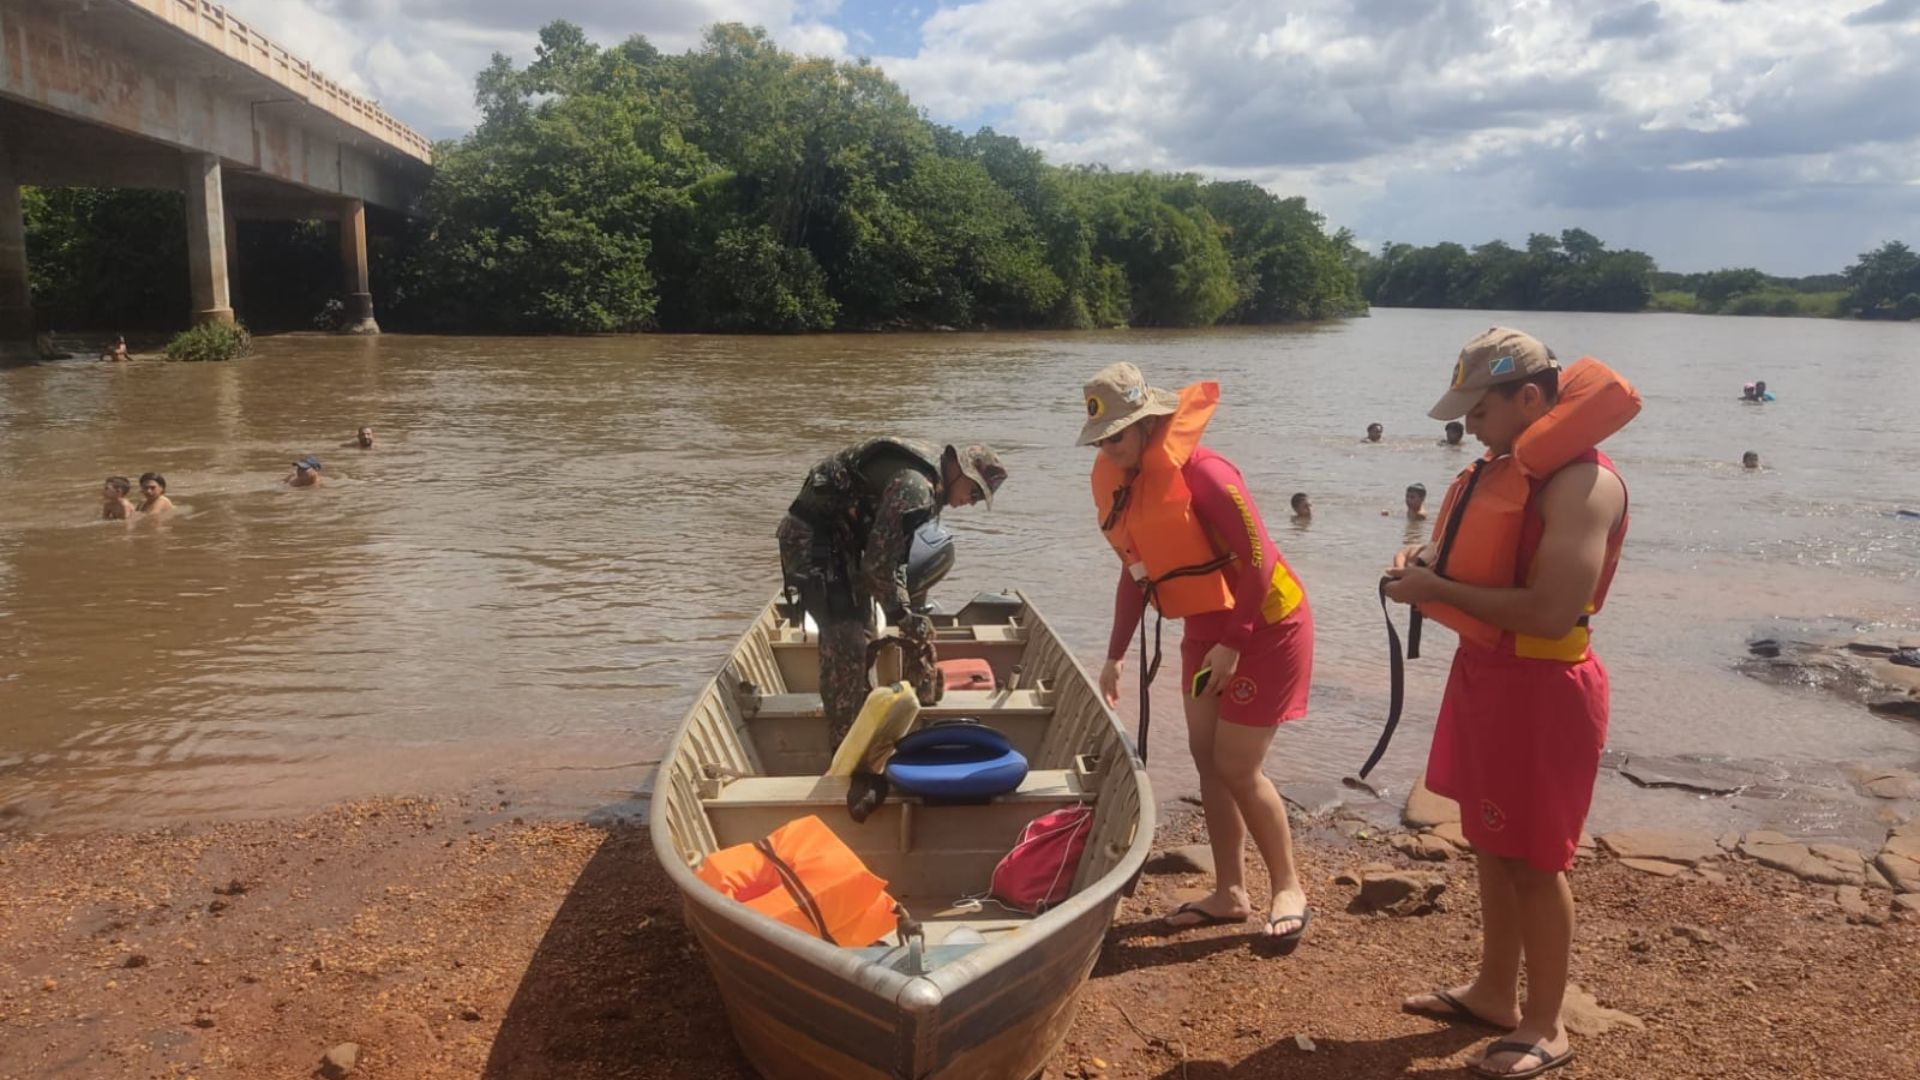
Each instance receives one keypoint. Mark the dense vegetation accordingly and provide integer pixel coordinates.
(738, 187)
(1576, 272)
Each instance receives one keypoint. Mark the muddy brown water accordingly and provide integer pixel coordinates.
(556, 541)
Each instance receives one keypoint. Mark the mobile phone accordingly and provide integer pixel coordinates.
(1200, 680)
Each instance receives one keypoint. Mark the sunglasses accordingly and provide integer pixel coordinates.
(1113, 438)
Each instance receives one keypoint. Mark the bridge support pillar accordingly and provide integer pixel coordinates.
(207, 240)
(353, 264)
(16, 299)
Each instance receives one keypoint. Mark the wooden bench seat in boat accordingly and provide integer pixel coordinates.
(946, 849)
(789, 731)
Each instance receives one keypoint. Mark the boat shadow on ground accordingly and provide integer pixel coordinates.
(1340, 1059)
(617, 986)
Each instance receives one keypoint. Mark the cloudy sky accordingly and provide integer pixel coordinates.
(1778, 133)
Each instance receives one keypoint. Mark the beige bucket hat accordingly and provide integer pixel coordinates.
(1119, 396)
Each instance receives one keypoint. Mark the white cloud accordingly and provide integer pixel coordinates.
(1413, 120)
(1402, 117)
(419, 57)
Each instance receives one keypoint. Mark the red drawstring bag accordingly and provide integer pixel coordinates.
(1038, 872)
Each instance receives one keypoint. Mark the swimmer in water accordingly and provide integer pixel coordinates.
(306, 473)
(1302, 508)
(1456, 431)
(153, 491)
(118, 351)
(362, 440)
(1374, 431)
(115, 505)
(1416, 501)
(1750, 460)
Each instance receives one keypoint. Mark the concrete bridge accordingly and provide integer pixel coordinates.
(181, 95)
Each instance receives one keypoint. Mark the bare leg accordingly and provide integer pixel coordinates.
(1494, 994)
(1226, 831)
(1544, 920)
(1239, 754)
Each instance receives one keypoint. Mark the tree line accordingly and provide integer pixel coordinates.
(739, 187)
(1576, 271)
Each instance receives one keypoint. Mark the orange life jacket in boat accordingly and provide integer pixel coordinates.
(1499, 527)
(804, 876)
(1150, 521)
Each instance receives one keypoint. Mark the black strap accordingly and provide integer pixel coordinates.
(1447, 537)
(1396, 666)
(1398, 681)
(1149, 669)
(797, 889)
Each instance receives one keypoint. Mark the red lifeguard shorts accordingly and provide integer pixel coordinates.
(1517, 745)
(1269, 687)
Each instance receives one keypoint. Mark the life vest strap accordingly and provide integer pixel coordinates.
(802, 896)
(1397, 681)
(1149, 669)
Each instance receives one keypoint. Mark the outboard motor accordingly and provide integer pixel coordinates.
(928, 560)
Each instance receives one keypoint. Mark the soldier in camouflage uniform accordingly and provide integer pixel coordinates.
(845, 542)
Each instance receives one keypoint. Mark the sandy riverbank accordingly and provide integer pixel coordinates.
(449, 939)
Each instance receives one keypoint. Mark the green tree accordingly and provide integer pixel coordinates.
(1882, 279)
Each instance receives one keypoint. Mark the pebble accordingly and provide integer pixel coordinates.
(1304, 1043)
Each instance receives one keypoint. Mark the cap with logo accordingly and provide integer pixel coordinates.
(1119, 396)
(1501, 355)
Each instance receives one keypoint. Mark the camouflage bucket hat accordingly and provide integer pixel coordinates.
(982, 466)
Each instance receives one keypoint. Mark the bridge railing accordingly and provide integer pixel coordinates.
(218, 29)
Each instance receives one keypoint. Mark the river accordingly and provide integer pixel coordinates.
(556, 540)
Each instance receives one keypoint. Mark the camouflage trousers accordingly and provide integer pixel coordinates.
(830, 593)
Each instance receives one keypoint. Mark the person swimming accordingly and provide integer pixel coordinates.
(362, 440)
(115, 505)
(1374, 431)
(1750, 460)
(153, 491)
(1456, 431)
(306, 473)
(1302, 508)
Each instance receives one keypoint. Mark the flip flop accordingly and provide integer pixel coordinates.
(1207, 918)
(1293, 936)
(1453, 1011)
(1548, 1062)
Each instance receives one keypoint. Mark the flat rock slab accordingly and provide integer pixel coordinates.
(1666, 845)
(1902, 872)
(1409, 892)
(1907, 903)
(1780, 853)
(1886, 783)
(1426, 810)
(1313, 798)
(1654, 867)
(1190, 859)
(1854, 905)
(1584, 1015)
(1425, 846)
(1450, 832)
(1700, 775)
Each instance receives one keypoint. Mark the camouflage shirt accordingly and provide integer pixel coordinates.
(908, 501)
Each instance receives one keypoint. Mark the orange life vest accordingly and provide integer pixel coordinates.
(1150, 521)
(1499, 528)
(804, 876)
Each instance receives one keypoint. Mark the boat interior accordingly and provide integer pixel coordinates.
(754, 752)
